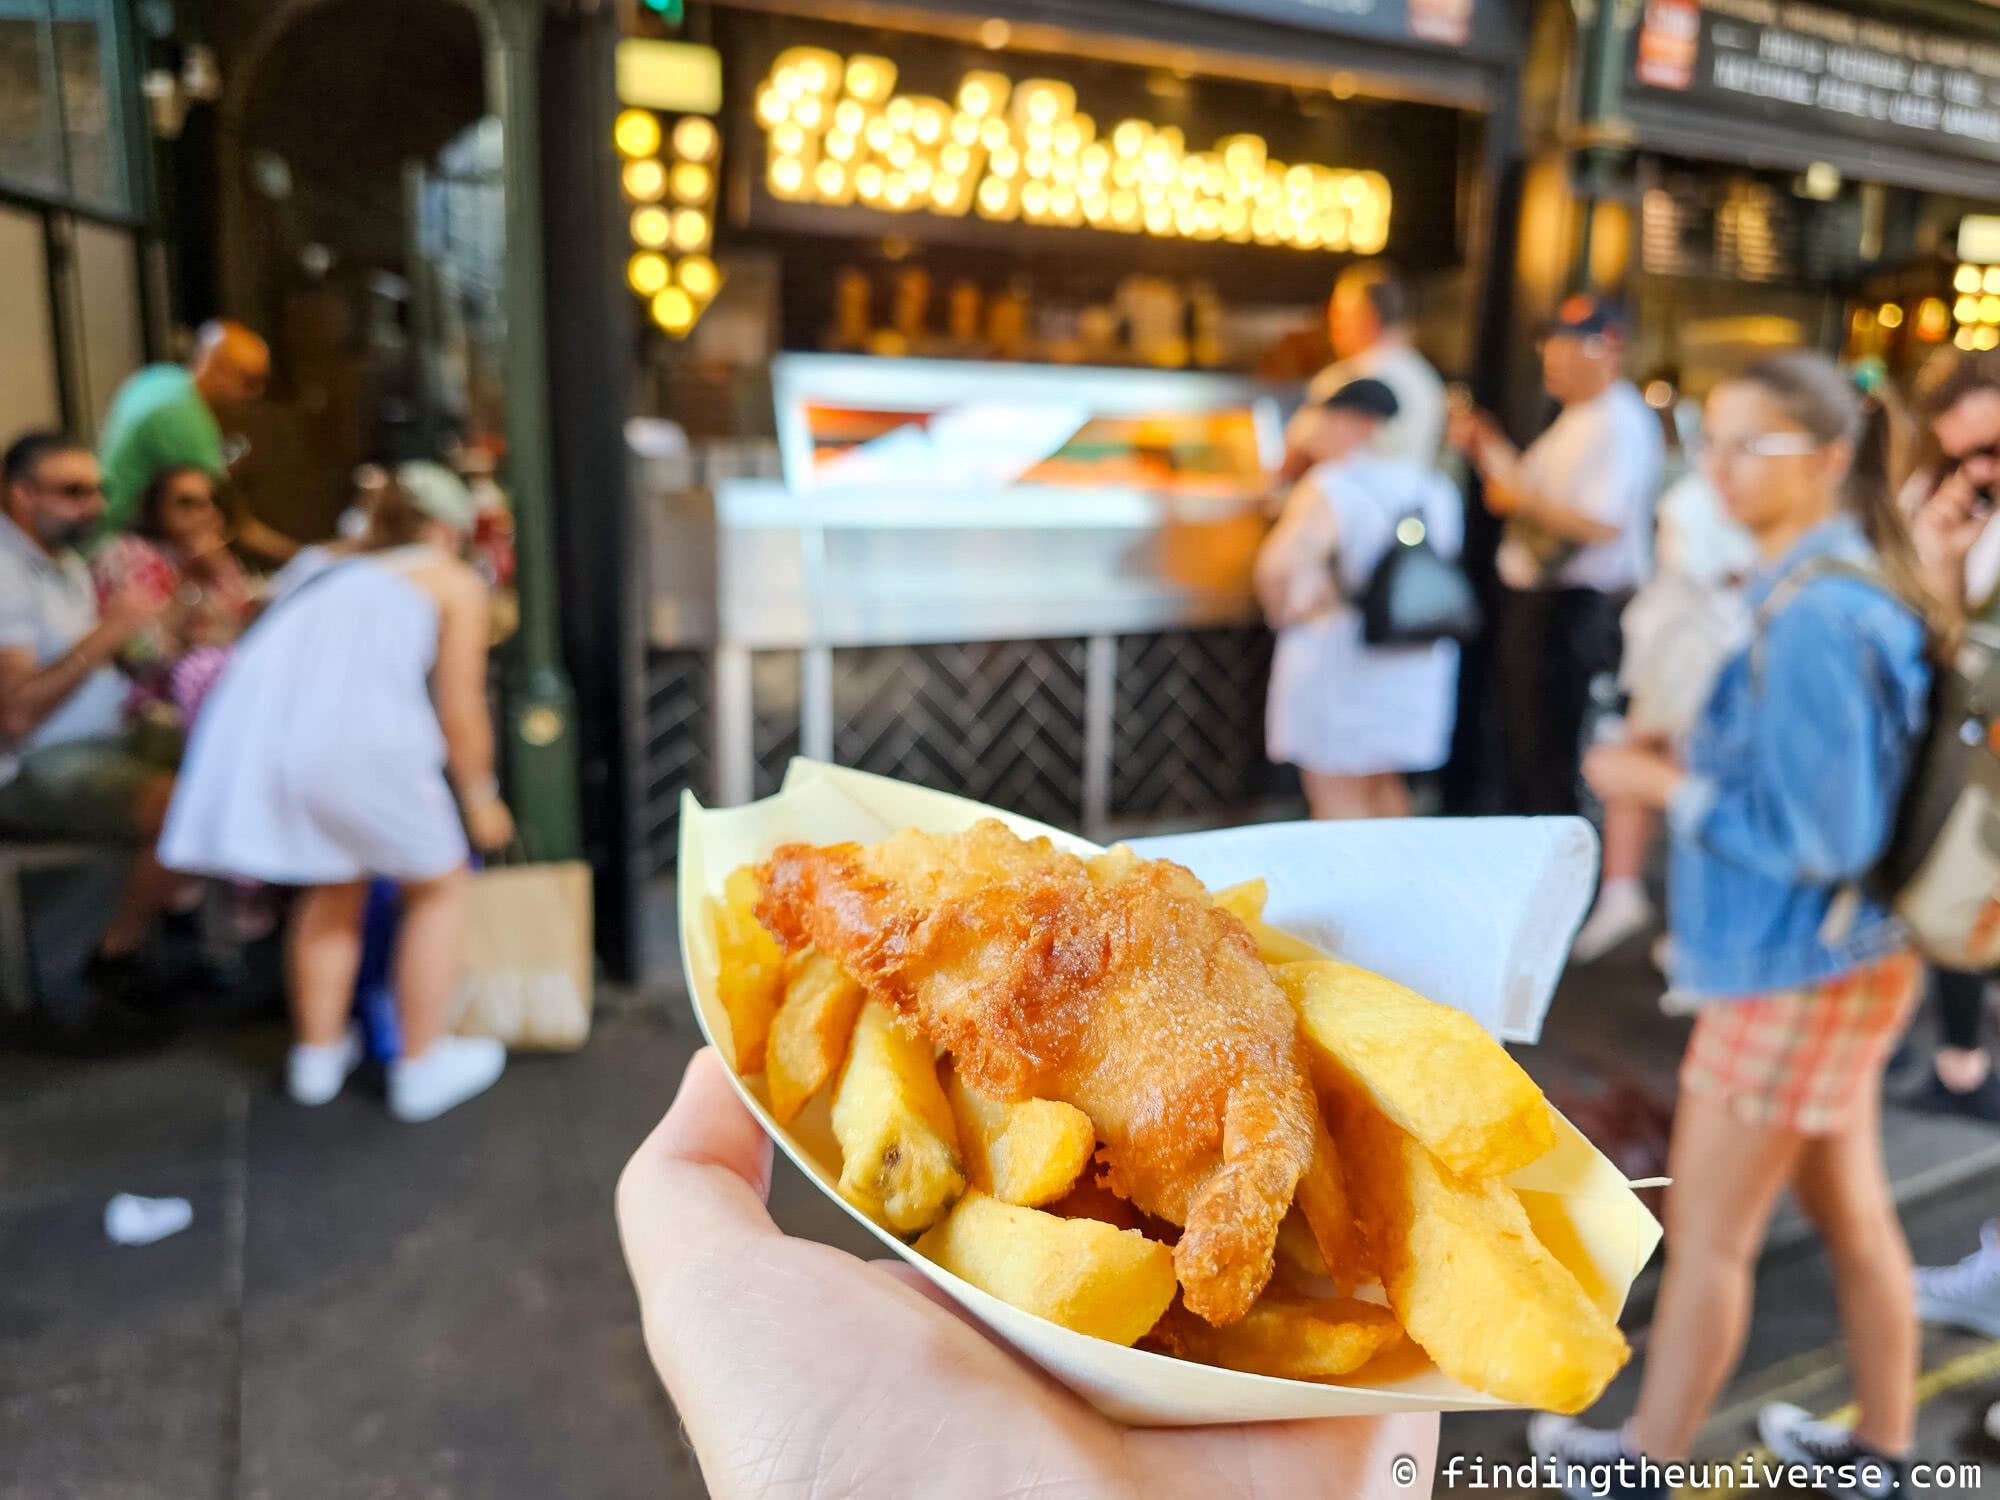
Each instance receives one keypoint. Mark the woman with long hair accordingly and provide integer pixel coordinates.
(1784, 799)
(177, 553)
(349, 738)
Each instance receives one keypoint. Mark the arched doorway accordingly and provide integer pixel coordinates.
(336, 109)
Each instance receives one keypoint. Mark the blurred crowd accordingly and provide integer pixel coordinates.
(1769, 656)
(265, 746)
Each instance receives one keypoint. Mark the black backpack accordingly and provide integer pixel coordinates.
(1414, 596)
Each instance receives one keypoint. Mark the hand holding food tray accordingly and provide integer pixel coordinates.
(1234, 1267)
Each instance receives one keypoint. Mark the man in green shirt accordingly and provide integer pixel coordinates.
(163, 417)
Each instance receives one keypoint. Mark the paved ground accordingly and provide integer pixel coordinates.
(364, 1311)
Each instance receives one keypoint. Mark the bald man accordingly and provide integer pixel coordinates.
(163, 417)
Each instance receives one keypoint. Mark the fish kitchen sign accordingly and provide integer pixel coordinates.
(1811, 66)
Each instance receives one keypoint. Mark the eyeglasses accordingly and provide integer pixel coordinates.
(1762, 445)
(75, 489)
(1990, 453)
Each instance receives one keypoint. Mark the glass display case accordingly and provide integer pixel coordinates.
(1094, 527)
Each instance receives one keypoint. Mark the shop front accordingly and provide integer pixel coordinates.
(1799, 173)
(967, 345)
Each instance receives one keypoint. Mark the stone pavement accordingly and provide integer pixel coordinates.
(361, 1310)
(369, 1311)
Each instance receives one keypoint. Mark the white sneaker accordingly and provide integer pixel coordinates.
(1849, 1471)
(1621, 914)
(451, 1071)
(314, 1073)
(1966, 1295)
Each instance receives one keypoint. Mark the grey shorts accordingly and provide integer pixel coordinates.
(84, 790)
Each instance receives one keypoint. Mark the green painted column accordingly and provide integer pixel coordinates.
(539, 709)
(1602, 140)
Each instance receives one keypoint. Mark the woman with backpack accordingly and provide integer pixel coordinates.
(1785, 797)
(1355, 718)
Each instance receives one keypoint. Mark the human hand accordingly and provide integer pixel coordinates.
(1467, 429)
(132, 610)
(489, 824)
(1632, 773)
(1944, 528)
(797, 1368)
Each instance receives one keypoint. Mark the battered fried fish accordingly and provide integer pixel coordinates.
(1114, 985)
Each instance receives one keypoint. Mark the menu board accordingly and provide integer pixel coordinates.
(1444, 23)
(1813, 67)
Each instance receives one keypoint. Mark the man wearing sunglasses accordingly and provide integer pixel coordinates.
(67, 770)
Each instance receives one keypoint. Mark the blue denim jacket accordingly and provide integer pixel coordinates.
(1793, 784)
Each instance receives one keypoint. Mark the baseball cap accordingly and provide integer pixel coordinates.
(438, 493)
(1369, 397)
(1585, 315)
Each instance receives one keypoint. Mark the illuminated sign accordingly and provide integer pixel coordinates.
(676, 76)
(669, 177)
(1979, 237)
(837, 133)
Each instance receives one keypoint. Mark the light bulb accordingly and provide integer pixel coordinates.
(644, 180)
(691, 226)
(651, 227)
(695, 138)
(692, 182)
(698, 276)
(787, 174)
(636, 132)
(647, 272)
(673, 310)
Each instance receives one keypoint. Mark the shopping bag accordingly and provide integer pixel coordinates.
(528, 963)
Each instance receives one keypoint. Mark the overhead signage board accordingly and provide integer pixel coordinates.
(1440, 23)
(1816, 68)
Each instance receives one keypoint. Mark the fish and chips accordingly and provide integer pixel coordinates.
(1092, 1089)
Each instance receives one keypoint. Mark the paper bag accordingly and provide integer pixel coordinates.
(1478, 910)
(529, 965)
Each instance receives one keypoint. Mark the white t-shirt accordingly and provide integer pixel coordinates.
(1602, 458)
(47, 605)
(1416, 433)
(1698, 539)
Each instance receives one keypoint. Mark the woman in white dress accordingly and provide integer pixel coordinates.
(1354, 718)
(329, 752)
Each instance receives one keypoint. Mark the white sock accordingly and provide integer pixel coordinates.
(1622, 890)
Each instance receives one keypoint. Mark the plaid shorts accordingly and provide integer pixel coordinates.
(1802, 1059)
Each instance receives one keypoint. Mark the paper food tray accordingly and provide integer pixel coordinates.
(1474, 913)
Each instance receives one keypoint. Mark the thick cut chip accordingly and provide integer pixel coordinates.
(1298, 1338)
(1467, 1277)
(1245, 902)
(1322, 1199)
(1091, 1199)
(1431, 1069)
(750, 980)
(1109, 1283)
(809, 1034)
(1027, 1153)
(899, 1150)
